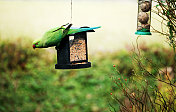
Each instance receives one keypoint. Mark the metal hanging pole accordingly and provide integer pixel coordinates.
(71, 12)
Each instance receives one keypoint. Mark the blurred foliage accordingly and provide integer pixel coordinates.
(141, 95)
(150, 88)
(165, 9)
(29, 82)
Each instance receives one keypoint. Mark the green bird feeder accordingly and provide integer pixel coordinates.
(72, 52)
(144, 17)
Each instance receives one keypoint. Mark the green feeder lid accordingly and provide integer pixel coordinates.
(143, 32)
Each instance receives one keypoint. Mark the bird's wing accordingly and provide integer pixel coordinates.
(77, 30)
(66, 30)
(58, 28)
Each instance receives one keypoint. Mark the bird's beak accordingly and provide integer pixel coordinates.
(33, 46)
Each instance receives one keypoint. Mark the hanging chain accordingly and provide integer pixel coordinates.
(71, 13)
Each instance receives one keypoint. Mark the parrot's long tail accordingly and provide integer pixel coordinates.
(87, 29)
(77, 30)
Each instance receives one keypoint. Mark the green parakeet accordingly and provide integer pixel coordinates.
(54, 36)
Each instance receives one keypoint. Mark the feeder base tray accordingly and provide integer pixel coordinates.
(142, 33)
(73, 66)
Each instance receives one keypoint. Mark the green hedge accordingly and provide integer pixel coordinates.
(29, 82)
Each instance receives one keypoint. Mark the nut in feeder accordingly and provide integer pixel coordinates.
(144, 17)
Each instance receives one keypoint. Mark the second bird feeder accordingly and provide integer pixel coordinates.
(144, 17)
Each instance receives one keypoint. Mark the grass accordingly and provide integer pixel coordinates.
(29, 81)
